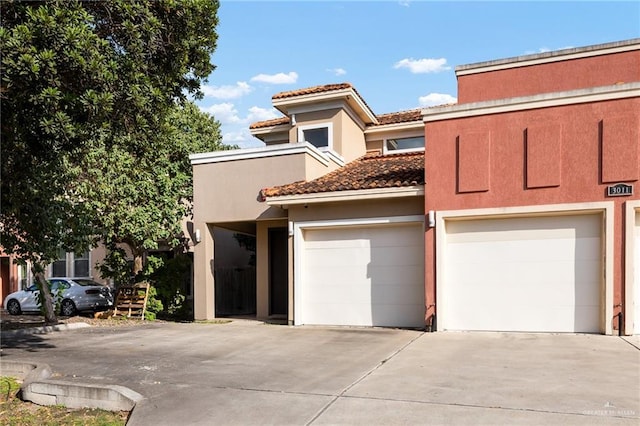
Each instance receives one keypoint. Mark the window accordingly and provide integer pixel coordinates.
(319, 136)
(71, 265)
(59, 267)
(414, 143)
(81, 264)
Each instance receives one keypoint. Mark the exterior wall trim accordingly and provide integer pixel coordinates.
(543, 58)
(606, 208)
(298, 242)
(262, 152)
(352, 195)
(572, 97)
(630, 272)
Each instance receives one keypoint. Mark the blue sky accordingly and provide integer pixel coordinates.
(398, 54)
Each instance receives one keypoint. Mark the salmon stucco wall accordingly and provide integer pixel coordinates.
(579, 160)
(604, 70)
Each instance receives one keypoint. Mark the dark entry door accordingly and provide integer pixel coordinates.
(278, 271)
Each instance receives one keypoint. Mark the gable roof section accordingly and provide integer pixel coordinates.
(268, 123)
(400, 117)
(372, 171)
(315, 89)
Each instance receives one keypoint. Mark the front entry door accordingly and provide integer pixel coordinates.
(278, 271)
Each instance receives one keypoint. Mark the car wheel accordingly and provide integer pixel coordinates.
(13, 307)
(67, 308)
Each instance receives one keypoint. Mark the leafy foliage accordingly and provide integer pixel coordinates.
(88, 89)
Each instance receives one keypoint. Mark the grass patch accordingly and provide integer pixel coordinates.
(15, 412)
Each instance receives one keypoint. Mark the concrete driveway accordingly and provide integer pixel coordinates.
(246, 372)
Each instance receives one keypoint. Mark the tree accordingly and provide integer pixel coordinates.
(142, 189)
(80, 79)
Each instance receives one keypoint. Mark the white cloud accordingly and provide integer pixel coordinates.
(423, 66)
(405, 3)
(433, 99)
(235, 127)
(225, 113)
(280, 78)
(240, 89)
(337, 71)
(261, 114)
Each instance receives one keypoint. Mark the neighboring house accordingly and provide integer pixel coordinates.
(13, 276)
(520, 226)
(361, 223)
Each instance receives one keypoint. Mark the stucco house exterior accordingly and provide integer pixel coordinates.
(516, 209)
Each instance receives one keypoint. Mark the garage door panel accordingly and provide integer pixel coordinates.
(372, 275)
(520, 278)
(538, 250)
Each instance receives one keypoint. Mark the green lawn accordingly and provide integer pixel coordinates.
(15, 412)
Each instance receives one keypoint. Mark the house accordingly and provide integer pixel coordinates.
(532, 178)
(334, 200)
(517, 209)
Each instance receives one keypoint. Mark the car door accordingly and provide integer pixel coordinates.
(29, 298)
(59, 290)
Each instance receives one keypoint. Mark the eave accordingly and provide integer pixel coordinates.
(338, 196)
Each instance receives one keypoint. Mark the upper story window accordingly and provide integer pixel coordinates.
(320, 136)
(414, 143)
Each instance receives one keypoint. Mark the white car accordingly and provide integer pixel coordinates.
(72, 294)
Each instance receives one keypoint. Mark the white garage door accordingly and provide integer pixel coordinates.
(362, 276)
(523, 274)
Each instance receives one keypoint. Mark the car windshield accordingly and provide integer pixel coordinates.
(86, 282)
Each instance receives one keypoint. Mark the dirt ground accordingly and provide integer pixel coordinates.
(15, 322)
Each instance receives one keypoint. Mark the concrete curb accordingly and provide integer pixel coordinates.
(37, 389)
(43, 330)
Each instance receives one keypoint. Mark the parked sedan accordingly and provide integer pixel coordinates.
(72, 294)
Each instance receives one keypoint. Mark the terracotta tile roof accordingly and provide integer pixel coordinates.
(400, 117)
(269, 123)
(314, 89)
(372, 171)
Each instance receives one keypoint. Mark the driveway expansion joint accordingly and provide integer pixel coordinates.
(364, 376)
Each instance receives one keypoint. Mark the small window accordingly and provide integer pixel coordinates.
(401, 144)
(318, 136)
(59, 267)
(81, 264)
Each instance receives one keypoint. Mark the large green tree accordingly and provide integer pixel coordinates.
(80, 79)
(142, 189)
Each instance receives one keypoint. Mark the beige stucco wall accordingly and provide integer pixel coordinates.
(358, 209)
(352, 137)
(228, 191)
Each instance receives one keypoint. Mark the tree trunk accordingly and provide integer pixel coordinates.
(137, 263)
(47, 307)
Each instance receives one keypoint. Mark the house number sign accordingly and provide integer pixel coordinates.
(619, 190)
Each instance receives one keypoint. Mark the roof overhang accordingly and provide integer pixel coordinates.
(546, 100)
(338, 196)
(264, 133)
(349, 95)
